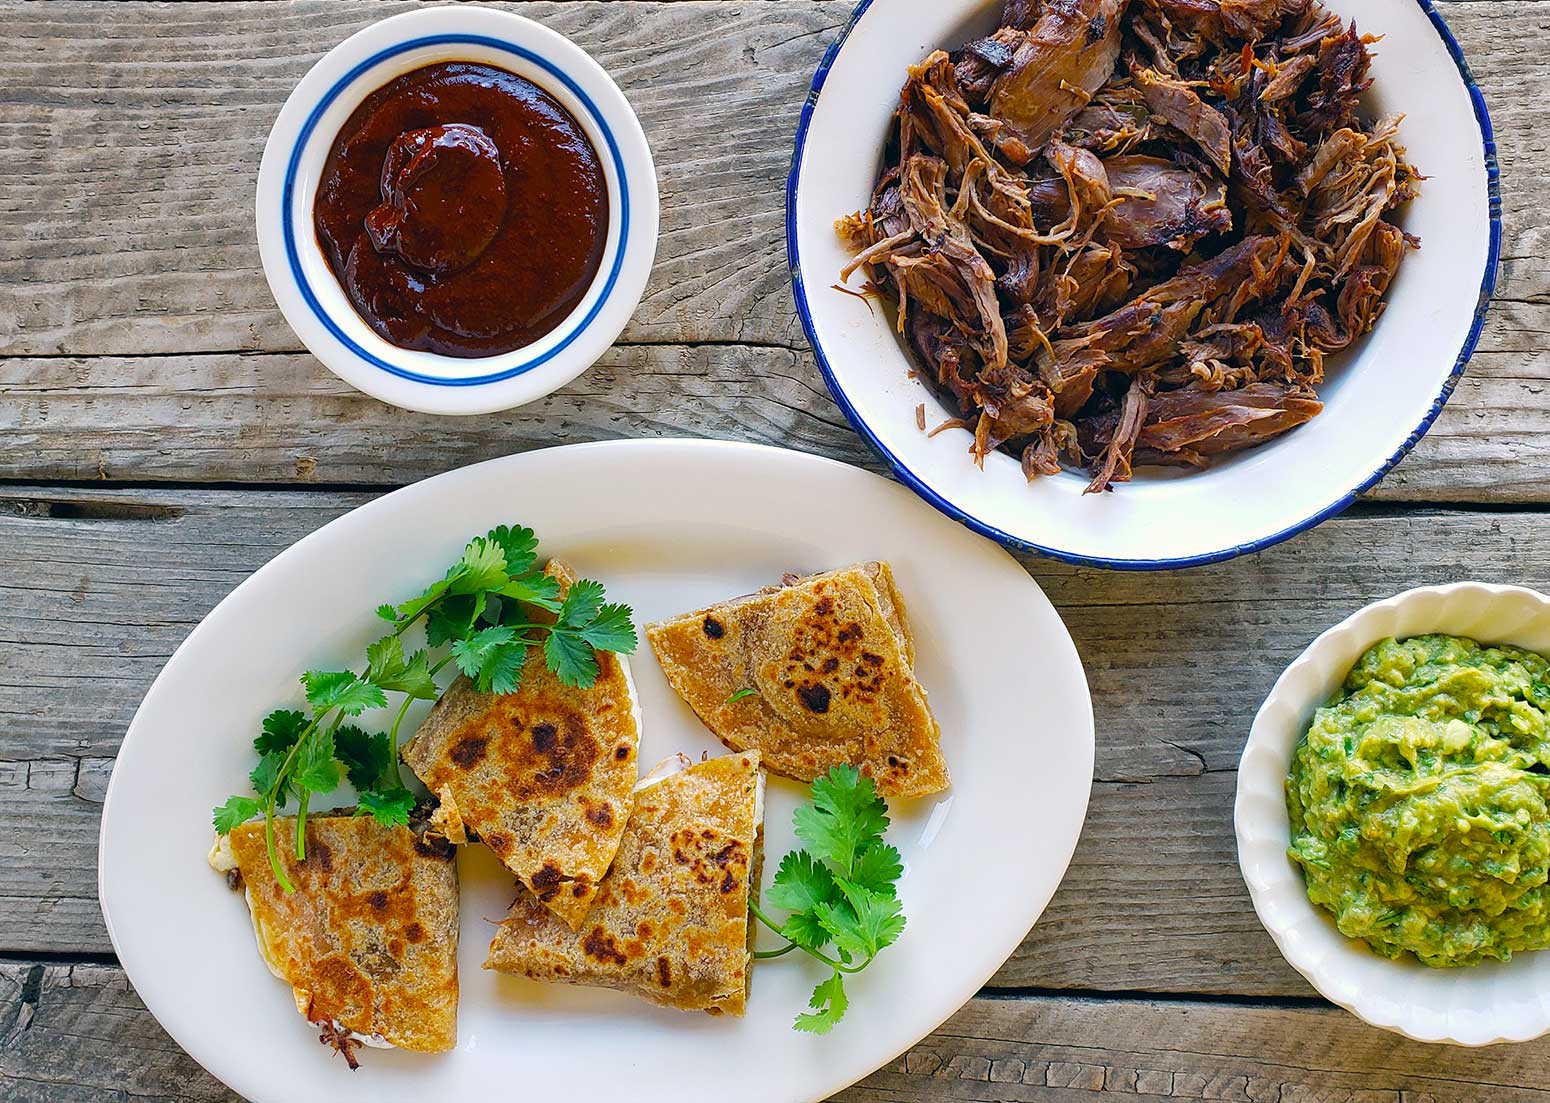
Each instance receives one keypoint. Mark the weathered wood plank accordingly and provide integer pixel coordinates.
(127, 231)
(100, 587)
(130, 138)
(71, 1033)
(262, 417)
(130, 175)
(281, 417)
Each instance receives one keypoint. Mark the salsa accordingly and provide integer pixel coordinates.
(1418, 801)
(462, 210)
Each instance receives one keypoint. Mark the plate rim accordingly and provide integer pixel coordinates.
(941, 503)
(962, 994)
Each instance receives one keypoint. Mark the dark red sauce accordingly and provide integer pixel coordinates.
(462, 210)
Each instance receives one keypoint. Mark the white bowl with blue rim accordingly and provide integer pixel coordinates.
(1494, 1001)
(310, 296)
(1379, 399)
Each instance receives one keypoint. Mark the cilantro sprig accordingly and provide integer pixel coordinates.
(481, 613)
(842, 890)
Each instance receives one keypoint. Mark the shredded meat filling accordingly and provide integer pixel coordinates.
(1120, 233)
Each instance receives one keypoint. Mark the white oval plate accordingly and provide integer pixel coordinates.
(1491, 1002)
(667, 526)
(309, 295)
(1378, 402)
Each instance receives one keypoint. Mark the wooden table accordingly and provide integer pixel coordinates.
(164, 434)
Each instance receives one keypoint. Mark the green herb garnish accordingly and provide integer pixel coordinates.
(740, 694)
(480, 612)
(842, 889)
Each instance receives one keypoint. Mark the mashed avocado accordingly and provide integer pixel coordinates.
(1418, 801)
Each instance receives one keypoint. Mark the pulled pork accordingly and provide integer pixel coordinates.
(1128, 232)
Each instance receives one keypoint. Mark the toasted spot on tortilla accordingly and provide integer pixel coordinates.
(601, 815)
(602, 946)
(317, 851)
(378, 900)
(714, 628)
(547, 881)
(469, 750)
(664, 972)
(815, 696)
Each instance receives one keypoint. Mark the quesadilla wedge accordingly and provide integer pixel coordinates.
(368, 941)
(813, 674)
(542, 776)
(670, 923)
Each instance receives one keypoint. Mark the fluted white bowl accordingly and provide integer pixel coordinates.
(1471, 1006)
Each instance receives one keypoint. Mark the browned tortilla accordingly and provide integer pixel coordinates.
(671, 921)
(542, 776)
(369, 938)
(829, 659)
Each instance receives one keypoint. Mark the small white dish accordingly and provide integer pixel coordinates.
(667, 526)
(1471, 1006)
(310, 297)
(1378, 402)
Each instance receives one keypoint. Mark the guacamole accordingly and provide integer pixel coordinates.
(1418, 801)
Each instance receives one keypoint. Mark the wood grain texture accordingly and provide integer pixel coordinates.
(73, 1033)
(126, 233)
(281, 418)
(138, 342)
(111, 581)
(130, 139)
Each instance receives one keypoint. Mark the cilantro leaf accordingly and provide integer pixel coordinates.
(502, 672)
(388, 807)
(829, 1003)
(415, 679)
(341, 689)
(878, 869)
(875, 921)
(387, 612)
(839, 923)
(801, 883)
(367, 756)
(571, 658)
(805, 930)
(384, 659)
(282, 728)
(266, 778)
(519, 546)
(315, 768)
(236, 810)
(417, 605)
(867, 922)
(472, 653)
(493, 658)
(846, 815)
(582, 603)
(740, 694)
(611, 630)
(841, 891)
(483, 567)
(535, 588)
(453, 619)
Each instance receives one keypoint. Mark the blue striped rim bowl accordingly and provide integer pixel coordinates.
(310, 297)
(1379, 398)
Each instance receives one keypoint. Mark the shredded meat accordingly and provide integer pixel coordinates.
(1129, 232)
(338, 1039)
